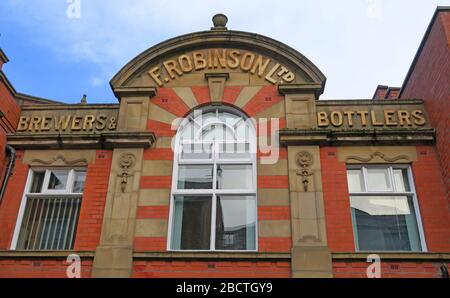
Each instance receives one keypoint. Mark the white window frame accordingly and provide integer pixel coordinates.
(214, 192)
(45, 192)
(392, 192)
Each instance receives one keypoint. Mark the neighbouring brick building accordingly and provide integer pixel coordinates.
(219, 160)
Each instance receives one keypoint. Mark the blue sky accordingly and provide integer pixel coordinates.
(357, 44)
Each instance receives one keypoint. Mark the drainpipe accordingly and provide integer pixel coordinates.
(11, 162)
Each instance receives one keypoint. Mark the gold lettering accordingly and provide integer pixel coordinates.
(88, 124)
(419, 119)
(23, 123)
(339, 121)
(389, 118)
(220, 58)
(154, 73)
(45, 124)
(101, 122)
(62, 123)
(34, 123)
(349, 116)
(270, 74)
(289, 77)
(363, 115)
(282, 71)
(185, 63)
(233, 62)
(260, 65)
(403, 117)
(210, 59)
(322, 119)
(374, 119)
(199, 60)
(171, 66)
(76, 123)
(247, 61)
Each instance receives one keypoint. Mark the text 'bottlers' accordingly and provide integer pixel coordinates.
(371, 118)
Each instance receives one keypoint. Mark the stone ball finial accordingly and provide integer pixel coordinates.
(220, 21)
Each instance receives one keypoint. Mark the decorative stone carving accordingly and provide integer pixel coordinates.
(305, 160)
(75, 162)
(380, 155)
(126, 163)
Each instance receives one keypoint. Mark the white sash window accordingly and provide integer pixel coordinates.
(213, 201)
(49, 211)
(384, 209)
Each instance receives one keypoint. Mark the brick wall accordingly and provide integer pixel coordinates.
(389, 269)
(8, 122)
(336, 201)
(430, 191)
(9, 206)
(40, 268)
(429, 81)
(93, 203)
(202, 269)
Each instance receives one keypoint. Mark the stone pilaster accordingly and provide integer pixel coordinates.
(311, 256)
(114, 255)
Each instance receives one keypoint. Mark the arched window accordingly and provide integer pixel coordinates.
(213, 202)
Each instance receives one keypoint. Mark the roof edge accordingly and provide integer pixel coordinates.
(3, 56)
(422, 45)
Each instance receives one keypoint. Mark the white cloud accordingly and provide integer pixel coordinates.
(355, 51)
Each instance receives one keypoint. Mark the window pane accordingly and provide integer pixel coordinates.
(401, 180)
(236, 223)
(38, 179)
(196, 151)
(378, 179)
(58, 180)
(234, 177)
(217, 132)
(195, 177)
(355, 181)
(234, 150)
(385, 223)
(78, 184)
(49, 223)
(191, 223)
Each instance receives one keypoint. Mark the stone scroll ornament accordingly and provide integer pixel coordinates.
(304, 160)
(126, 163)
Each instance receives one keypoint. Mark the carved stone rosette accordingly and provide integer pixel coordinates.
(305, 161)
(126, 163)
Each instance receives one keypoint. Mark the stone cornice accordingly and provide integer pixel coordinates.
(24, 254)
(52, 107)
(370, 102)
(360, 102)
(405, 136)
(211, 256)
(105, 140)
(300, 88)
(134, 91)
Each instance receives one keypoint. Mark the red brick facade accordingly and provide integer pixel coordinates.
(391, 269)
(11, 202)
(275, 256)
(429, 78)
(93, 203)
(229, 269)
